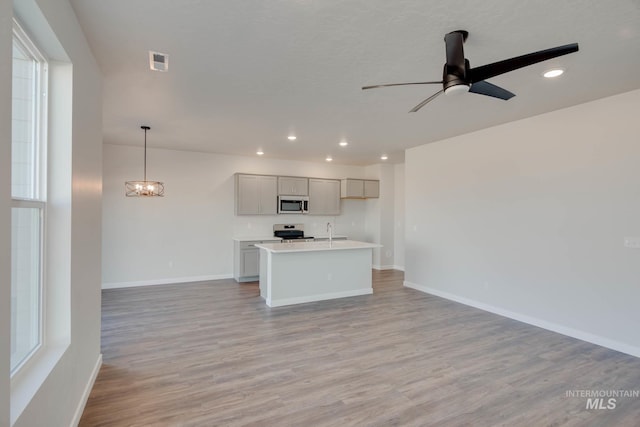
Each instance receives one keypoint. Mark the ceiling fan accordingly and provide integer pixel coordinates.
(458, 76)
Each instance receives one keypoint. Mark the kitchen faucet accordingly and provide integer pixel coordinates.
(330, 231)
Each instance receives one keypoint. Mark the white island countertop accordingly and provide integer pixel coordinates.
(336, 245)
(255, 238)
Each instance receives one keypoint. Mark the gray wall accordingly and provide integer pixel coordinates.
(528, 219)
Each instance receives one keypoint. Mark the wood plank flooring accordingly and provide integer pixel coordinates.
(213, 354)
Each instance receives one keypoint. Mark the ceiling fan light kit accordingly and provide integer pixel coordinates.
(144, 188)
(456, 89)
(458, 76)
(556, 72)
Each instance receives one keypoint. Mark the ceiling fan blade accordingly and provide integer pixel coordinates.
(400, 84)
(485, 88)
(491, 70)
(455, 51)
(426, 101)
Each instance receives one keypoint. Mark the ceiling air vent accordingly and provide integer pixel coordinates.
(158, 61)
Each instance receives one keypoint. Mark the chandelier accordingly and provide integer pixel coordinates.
(144, 188)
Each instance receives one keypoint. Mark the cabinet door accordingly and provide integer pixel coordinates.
(371, 189)
(352, 188)
(316, 197)
(300, 186)
(247, 195)
(256, 195)
(290, 186)
(268, 186)
(332, 201)
(324, 197)
(249, 262)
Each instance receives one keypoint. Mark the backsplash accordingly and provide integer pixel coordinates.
(350, 223)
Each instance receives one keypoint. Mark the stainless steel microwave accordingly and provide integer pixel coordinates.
(293, 204)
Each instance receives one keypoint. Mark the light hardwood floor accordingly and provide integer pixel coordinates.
(213, 354)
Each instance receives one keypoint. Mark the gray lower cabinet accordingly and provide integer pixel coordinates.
(246, 260)
(256, 194)
(324, 196)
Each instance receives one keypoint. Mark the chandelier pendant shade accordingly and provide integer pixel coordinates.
(144, 188)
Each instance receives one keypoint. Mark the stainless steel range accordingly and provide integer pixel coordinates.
(291, 233)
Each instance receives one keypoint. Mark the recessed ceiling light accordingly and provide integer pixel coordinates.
(259, 152)
(343, 143)
(384, 157)
(553, 73)
(291, 138)
(329, 159)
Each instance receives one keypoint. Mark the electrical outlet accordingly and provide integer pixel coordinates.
(632, 242)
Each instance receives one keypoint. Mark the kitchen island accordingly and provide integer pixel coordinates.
(294, 273)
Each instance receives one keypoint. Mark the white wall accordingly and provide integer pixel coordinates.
(528, 219)
(60, 397)
(187, 235)
(5, 207)
(380, 212)
(398, 217)
(372, 219)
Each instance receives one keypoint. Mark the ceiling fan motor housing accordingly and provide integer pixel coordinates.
(454, 79)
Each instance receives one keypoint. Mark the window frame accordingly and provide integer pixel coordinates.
(40, 173)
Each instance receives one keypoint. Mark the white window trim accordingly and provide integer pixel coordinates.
(27, 378)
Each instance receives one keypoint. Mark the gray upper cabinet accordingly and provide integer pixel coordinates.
(371, 189)
(256, 195)
(352, 188)
(324, 196)
(293, 186)
(359, 188)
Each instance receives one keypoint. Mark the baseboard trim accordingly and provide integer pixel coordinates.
(319, 297)
(87, 391)
(116, 285)
(550, 326)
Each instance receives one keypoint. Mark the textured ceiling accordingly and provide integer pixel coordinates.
(243, 75)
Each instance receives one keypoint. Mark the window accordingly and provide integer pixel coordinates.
(28, 193)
